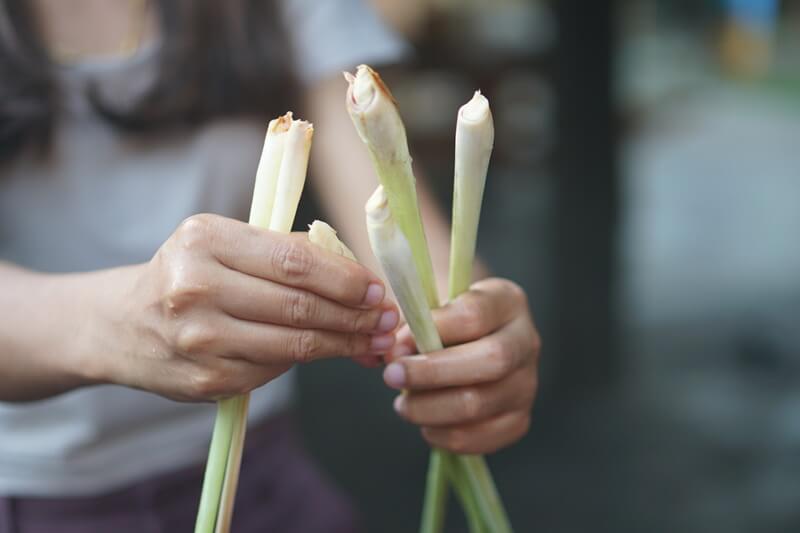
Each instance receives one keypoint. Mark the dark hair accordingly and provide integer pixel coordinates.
(216, 58)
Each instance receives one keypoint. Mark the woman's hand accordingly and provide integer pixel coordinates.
(224, 307)
(476, 395)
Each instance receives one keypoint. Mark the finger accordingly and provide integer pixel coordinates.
(204, 380)
(269, 344)
(249, 298)
(486, 307)
(401, 350)
(483, 437)
(288, 259)
(488, 359)
(368, 361)
(228, 378)
(460, 405)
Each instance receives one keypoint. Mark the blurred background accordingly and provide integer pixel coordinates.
(645, 190)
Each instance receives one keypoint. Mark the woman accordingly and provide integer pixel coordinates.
(118, 120)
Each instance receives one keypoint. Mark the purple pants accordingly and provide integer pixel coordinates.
(280, 491)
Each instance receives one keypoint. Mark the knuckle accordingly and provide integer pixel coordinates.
(457, 441)
(496, 350)
(242, 386)
(301, 308)
(473, 315)
(306, 346)
(517, 293)
(194, 338)
(186, 288)
(354, 282)
(293, 260)
(356, 344)
(471, 403)
(499, 358)
(362, 322)
(433, 437)
(518, 429)
(207, 384)
(193, 232)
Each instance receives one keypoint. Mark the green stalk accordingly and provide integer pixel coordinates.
(238, 412)
(374, 113)
(441, 469)
(397, 261)
(394, 253)
(279, 183)
(467, 496)
(478, 481)
(435, 504)
(215, 468)
(474, 141)
(395, 256)
(375, 116)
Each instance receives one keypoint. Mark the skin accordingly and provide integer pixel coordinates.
(222, 308)
(186, 325)
(476, 395)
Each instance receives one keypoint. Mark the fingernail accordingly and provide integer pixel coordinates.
(388, 321)
(395, 375)
(381, 343)
(374, 295)
(399, 403)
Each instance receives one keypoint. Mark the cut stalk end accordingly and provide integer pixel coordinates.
(323, 235)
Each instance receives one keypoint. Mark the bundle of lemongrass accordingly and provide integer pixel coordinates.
(398, 240)
(279, 183)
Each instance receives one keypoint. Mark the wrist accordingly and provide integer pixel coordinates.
(98, 313)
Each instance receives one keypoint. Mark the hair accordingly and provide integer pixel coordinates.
(216, 58)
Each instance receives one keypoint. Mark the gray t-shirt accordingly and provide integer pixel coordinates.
(105, 199)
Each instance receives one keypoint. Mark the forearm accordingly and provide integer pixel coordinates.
(50, 330)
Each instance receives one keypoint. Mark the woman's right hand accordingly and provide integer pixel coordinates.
(224, 307)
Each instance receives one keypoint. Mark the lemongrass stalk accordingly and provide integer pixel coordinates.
(435, 502)
(292, 175)
(464, 491)
(279, 183)
(377, 120)
(237, 410)
(479, 481)
(215, 469)
(375, 116)
(474, 141)
(394, 254)
(267, 173)
(229, 411)
(396, 259)
(265, 191)
(288, 189)
(322, 234)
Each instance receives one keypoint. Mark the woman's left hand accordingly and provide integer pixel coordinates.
(476, 395)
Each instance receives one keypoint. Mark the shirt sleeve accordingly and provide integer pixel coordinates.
(328, 36)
